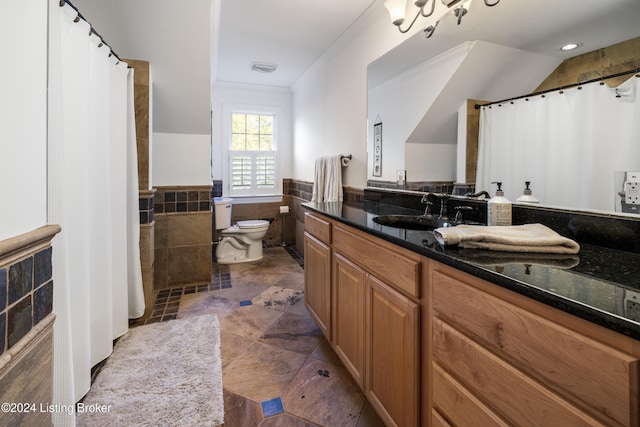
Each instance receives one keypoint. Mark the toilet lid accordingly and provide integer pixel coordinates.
(253, 223)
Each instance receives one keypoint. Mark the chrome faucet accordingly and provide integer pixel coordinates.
(458, 218)
(426, 201)
(481, 193)
(443, 204)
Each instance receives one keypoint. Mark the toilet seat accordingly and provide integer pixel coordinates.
(253, 223)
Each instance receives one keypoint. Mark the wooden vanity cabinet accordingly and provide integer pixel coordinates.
(317, 271)
(348, 303)
(374, 313)
(392, 377)
(499, 358)
(376, 290)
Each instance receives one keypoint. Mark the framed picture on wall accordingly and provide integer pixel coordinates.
(377, 149)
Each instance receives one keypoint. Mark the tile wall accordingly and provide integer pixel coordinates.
(26, 295)
(182, 238)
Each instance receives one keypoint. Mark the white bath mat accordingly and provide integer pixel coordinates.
(162, 374)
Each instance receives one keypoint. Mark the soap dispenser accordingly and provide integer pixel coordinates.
(527, 195)
(499, 208)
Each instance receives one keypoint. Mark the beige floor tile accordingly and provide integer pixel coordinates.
(293, 332)
(205, 303)
(325, 353)
(232, 345)
(285, 420)
(281, 299)
(324, 394)
(292, 281)
(240, 411)
(250, 321)
(262, 372)
(241, 291)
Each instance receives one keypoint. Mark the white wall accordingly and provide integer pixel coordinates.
(180, 159)
(330, 99)
(429, 162)
(174, 36)
(23, 117)
(226, 96)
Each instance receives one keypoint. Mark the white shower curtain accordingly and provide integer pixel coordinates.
(568, 144)
(96, 263)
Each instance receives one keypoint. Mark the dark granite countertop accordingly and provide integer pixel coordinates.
(599, 284)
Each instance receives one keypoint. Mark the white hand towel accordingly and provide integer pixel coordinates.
(327, 183)
(516, 238)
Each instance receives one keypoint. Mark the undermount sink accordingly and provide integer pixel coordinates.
(411, 222)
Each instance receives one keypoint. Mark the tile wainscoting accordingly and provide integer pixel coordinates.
(26, 324)
(182, 237)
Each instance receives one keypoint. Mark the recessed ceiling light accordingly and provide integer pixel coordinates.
(570, 46)
(263, 67)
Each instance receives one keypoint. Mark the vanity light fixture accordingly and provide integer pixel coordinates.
(263, 67)
(570, 46)
(398, 8)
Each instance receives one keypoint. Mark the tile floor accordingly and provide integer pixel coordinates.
(278, 370)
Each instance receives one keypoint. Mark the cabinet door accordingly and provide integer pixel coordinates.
(317, 282)
(392, 349)
(348, 315)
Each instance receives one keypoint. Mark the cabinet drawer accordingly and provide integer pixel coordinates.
(594, 376)
(390, 265)
(507, 391)
(319, 227)
(461, 407)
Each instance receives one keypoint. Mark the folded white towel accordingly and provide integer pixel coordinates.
(516, 238)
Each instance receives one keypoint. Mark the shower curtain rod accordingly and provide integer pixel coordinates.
(598, 79)
(92, 30)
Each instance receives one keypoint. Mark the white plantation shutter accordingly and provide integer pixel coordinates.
(253, 172)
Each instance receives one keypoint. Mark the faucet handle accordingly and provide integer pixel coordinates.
(459, 209)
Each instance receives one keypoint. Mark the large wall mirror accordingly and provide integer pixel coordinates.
(419, 90)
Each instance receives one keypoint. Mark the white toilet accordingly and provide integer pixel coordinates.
(241, 242)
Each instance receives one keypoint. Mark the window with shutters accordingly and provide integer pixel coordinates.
(252, 150)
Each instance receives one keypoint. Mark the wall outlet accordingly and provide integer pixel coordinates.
(400, 177)
(632, 188)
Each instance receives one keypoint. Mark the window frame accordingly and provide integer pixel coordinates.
(253, 194)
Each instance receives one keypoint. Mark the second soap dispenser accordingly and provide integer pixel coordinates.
(527, 196)
(499, 208)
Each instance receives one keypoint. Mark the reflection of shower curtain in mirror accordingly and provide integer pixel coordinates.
(568, 144)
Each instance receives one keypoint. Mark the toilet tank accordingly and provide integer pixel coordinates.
(222, 210)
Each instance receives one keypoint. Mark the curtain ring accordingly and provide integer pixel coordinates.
(77, 19)
(62, 2)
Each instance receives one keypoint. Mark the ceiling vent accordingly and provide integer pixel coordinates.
(263, 67)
